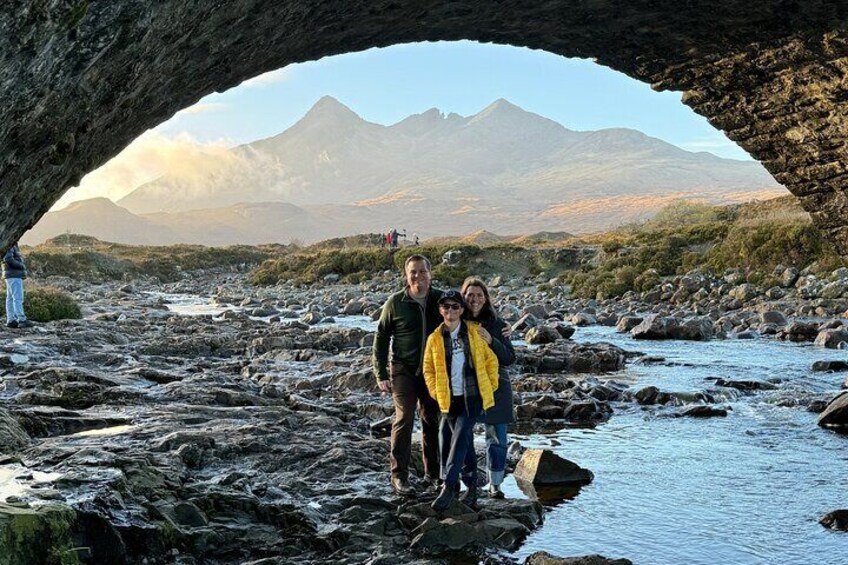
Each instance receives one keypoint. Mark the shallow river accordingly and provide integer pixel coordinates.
(748, 488)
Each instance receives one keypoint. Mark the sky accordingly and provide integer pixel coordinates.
(386, 85)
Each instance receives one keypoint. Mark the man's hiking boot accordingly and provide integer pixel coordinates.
(402, 487)
(13, 324)
(444, 499)
(25, 324)
(469, 497)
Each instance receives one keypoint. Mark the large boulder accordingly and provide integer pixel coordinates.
(543, 467)
(627, 323)
(835, 414)
(831, 338)
(541, 334)
(668, 327)
(836, 520)
(830, 366)
(801, 331)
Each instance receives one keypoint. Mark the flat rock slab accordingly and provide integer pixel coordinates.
(545, 558)
(543, 467)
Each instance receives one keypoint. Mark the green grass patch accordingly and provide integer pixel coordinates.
(45, 304)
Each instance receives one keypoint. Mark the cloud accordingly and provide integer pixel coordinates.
(272, 77)
(148, 157)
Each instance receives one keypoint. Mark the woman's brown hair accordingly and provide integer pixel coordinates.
(488, 310)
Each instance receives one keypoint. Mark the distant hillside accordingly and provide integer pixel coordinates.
(502, 170)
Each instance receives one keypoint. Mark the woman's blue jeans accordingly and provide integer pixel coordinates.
(496, 447)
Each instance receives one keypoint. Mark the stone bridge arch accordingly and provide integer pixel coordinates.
(80, 79)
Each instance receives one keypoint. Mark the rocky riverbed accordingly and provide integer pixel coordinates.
(254, 432)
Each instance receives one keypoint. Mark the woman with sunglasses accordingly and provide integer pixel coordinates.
(461, 373)
(495, 332)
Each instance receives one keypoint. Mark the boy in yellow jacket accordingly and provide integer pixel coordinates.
(461, 373)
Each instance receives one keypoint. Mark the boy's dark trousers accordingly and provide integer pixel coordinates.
(457, 440)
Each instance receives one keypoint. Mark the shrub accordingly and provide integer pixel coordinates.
(45, 304)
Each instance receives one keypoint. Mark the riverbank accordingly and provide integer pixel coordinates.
(250, 432)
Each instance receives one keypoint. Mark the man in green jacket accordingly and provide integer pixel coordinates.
(408, 317)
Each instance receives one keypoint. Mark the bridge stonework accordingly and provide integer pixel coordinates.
(80, 79)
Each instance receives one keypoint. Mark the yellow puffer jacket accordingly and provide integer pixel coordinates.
(436, 371)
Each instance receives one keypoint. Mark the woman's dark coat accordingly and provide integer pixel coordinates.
(501, 412)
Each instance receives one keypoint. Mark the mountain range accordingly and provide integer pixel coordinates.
(333, 173)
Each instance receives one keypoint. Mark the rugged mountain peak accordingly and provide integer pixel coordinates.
(328, 108)
(417, 124)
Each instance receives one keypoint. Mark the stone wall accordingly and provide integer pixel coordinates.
(80, 79)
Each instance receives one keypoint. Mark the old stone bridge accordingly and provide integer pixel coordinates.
(80, 79)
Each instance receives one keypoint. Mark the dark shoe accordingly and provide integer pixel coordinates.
(469, 497)
(444, 499)
(25, 324)
(494, 491)
(402, 487)
(431, 483)
(13, 324)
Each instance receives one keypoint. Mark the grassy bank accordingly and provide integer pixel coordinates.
(86, 258)
(756, 238)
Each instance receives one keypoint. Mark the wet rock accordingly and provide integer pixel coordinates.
(831, 338)
(382, 428)
(835, 415)
(12, 435)
(311, 318)
(788, 277)
(701, 411)
(830, 366)
(543, 467)
(545, 558)
(836, 520)
(573, 357)
(668, 327)
(565, 330)
(541, 334)
(745, 385)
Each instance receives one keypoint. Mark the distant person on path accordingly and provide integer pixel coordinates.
(461, 372)
(14, 271)
(415, 239)
(394, 237)
(495, 332)
(408, 317)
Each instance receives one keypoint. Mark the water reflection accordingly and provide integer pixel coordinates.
(550, 495)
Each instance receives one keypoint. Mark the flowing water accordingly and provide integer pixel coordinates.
(748, 488)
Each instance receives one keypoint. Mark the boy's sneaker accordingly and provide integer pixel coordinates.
(494, 491)
(13, 324)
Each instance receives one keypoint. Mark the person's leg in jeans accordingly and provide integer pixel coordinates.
(429, 410)
(496, 447)
(404, 398)
(10, 301)
(15, 300)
